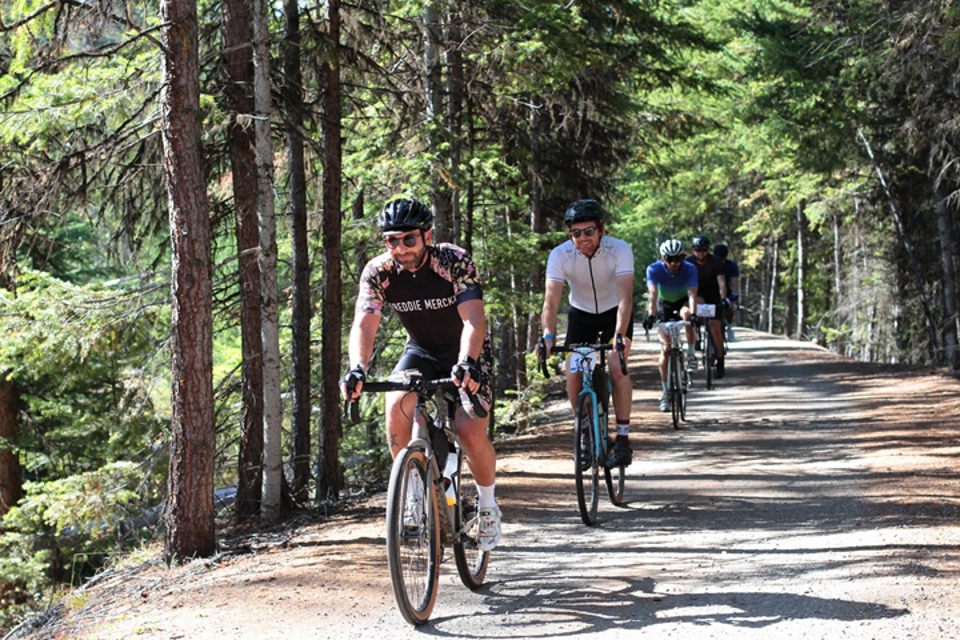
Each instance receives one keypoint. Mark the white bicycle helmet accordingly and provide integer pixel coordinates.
(671, 248)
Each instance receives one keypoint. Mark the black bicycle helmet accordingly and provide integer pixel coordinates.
(701, 241)
(721, 250)
(584, 211)
(671, 248)
(404, 214)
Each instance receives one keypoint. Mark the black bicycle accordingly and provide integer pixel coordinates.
(593, 446)
(678, 378)
(427, 502)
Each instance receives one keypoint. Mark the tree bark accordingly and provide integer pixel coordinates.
(433, 83)
(908, 246)
(238, 67)
(455, 90)
(330, 482)
(270, 506)
(301, 307)
(948, 253)
(190, 514)
(801, 269)
(11, 473)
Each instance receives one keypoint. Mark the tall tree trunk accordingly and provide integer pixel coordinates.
(536, 226)
(272, 406)
(801, 269)
(948, 253)
(301, 307)
(455, 89)
(237, 28)
(771, 303)
(189, 517)
(330, 482)
(908, 246)
(837, 298)
(11, 474)
(433, 77)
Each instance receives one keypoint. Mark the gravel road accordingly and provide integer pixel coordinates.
(807, 497)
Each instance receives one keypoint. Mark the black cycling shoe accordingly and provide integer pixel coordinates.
(622, 455)
(720, 370)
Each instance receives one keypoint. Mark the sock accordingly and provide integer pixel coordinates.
(691, 351)
(664, 384)
(623, 430)
(486, 494)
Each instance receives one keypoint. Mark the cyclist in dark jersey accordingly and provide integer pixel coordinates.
(731, 274)
(712, 289)
(436, 292)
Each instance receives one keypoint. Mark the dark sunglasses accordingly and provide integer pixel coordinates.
(408, 241)
(589, 232)
(700, 249)
(674, 259)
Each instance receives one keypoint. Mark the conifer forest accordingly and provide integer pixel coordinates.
(189, 189)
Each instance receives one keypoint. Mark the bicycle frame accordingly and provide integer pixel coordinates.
(587, 366)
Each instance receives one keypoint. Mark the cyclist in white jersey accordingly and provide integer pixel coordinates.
(599, 270)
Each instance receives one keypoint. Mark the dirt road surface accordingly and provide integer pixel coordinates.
(807, 497)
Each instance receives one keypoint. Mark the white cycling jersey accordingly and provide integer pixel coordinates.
(593, 283)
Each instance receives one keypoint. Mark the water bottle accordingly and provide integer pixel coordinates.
(448, 472)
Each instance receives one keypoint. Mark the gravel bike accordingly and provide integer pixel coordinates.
(678, 378)
(428, 504)
(592, 447)
(707, 312)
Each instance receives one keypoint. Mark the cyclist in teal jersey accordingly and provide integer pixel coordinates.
(672, 284)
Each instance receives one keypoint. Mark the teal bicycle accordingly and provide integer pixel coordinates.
(593, 447)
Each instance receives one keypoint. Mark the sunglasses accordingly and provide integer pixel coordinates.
(589, 232)
(674, 259)
(700, 249)
(408, 241)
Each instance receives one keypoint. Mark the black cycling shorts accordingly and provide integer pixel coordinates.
(586, 328)
(668, 311)
(432, 368)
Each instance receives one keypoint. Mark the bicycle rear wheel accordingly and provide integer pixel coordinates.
(675, 385)
(585, 462)
(413, 536)
(471, 561)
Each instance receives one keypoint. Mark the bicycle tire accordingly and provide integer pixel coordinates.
(708, 353)
(675, 386)
(684, 387)
(413, 550)
(587, 480)
(471, 561)
(615, 477)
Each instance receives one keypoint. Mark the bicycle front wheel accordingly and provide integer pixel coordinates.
(675, 385)
(413, 536)
(585, 462)
(615, 477)
(708, 357)
(471, 561)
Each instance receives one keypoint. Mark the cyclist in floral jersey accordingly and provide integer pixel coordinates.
(436, 292)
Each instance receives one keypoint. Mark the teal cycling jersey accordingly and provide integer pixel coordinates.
(672, 287)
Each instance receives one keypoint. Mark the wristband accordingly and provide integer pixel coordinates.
(548, 336)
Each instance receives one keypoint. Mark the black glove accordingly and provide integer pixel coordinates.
(734, 297)
(649, 321)
(465, 366)
(353, 377)
(726, 303)
(695, 321)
